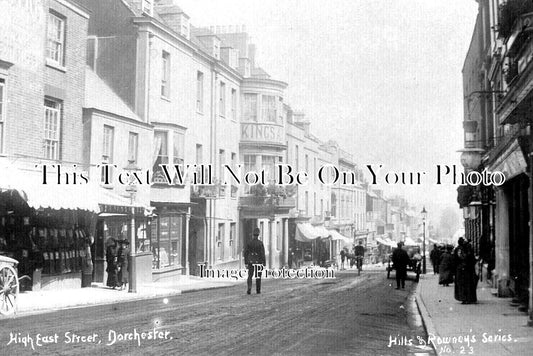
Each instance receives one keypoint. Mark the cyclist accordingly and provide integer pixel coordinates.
(359, 252)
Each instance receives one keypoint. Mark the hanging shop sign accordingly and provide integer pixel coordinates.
(116, 209)
(511, 163)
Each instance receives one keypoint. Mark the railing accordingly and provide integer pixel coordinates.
(258, 201)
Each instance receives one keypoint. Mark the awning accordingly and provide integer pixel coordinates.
(386, 242)
(91, 197)
(410, 242)
(53, 196)
(305, 232)
(335, 235)
(322, 231)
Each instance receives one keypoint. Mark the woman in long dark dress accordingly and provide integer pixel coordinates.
(465, 273)
(123, 256)
(112, 263)
(446, 267)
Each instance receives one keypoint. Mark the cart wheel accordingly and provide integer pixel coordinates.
(9, 289)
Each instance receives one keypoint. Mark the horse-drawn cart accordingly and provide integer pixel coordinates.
(415, 264)
(9, 285)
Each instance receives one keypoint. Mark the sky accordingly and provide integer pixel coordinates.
(381, 77)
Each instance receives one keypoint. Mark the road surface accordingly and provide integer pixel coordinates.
(348, 315)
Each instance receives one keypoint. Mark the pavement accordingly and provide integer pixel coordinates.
(490, 327)
(36, 302)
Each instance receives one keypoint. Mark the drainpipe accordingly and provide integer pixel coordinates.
(530, 199)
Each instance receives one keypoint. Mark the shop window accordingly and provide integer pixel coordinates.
(142, 237)
(269, 108)
(166, 242)
(232, 239)
(56, 39)
(250, 107)
(52, 126)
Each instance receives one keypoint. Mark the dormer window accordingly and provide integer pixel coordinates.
(148, 7)
(185, 30)
(216, 50)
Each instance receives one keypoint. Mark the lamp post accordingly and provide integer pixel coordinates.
(424, 215)
(132, 189)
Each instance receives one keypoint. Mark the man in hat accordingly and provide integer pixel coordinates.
(254, 254)
(400, 260)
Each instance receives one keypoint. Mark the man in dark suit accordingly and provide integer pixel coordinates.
(254, 254)
(400, 260)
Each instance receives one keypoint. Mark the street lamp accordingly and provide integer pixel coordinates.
(132, 190)
(424, 214)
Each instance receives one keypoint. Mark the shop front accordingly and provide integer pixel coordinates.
(48, 237)
(512, 263)
(167, 241)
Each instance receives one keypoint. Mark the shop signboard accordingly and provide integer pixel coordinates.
(262, 132)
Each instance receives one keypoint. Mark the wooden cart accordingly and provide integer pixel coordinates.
(9, 285)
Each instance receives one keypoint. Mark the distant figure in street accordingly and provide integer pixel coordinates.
(111, 257)
(123, 263)
(343, 258)
(434, 256)
(359, 252)
(446, 267)
(465, 273)
(291, 257)
(400, 260)
(254, 254)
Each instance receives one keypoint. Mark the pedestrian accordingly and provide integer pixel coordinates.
(291, 257)
(87, 262)
(123, 257)
(446, 267)
(434, 257)
(400, 260)
(112, 263)
(465, 273)
(343, 257)
(254, 259)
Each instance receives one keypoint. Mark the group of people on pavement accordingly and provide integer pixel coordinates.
(457, 266)
(117, 258)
